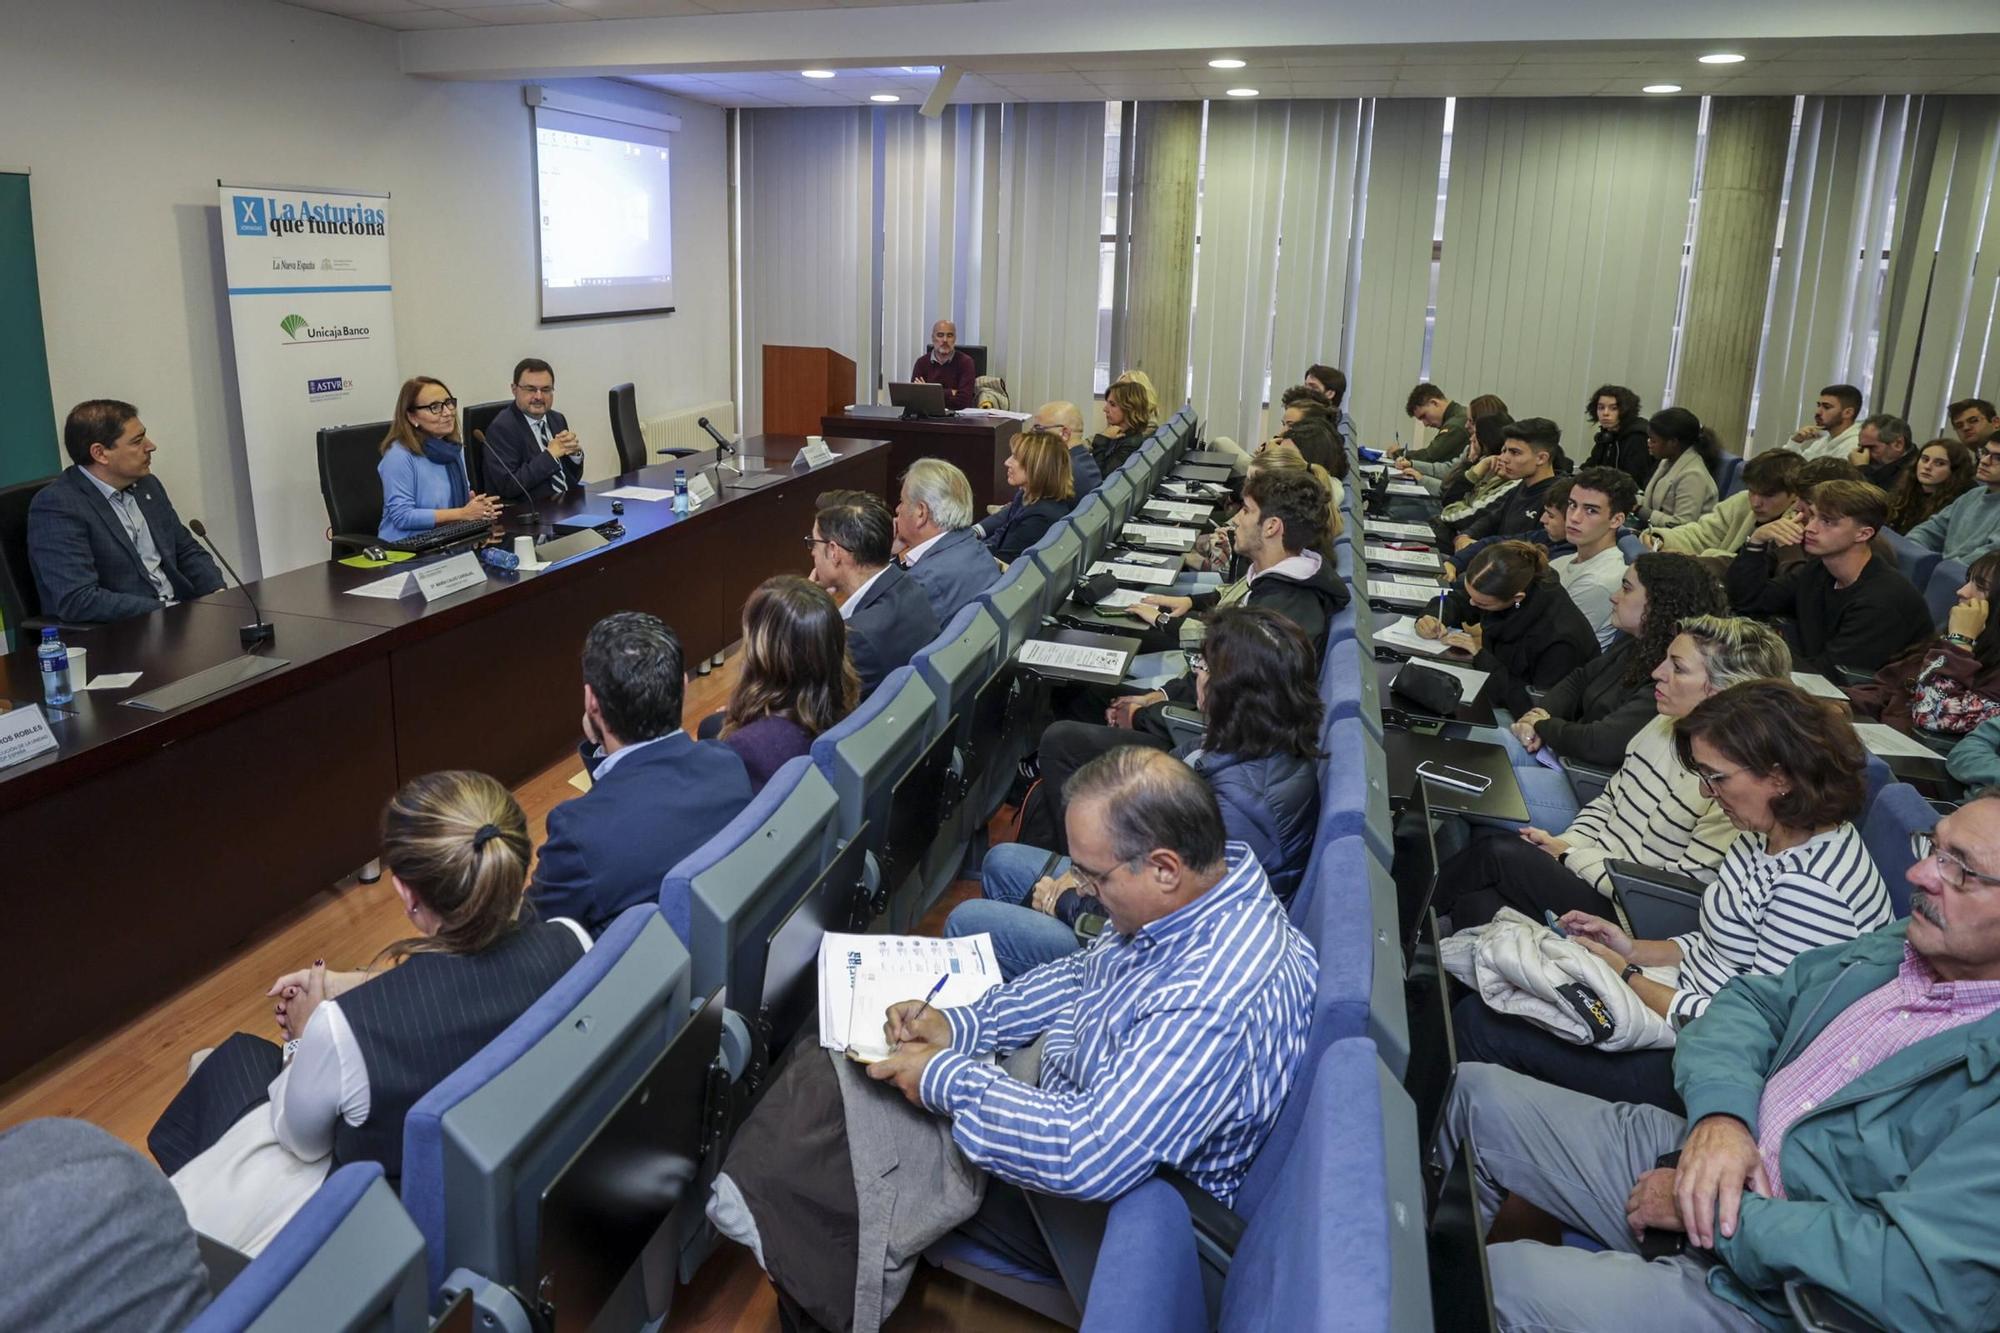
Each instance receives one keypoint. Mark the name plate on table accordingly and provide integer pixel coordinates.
(449, 576)
(1158, 534)
(24, 733)
(700, 490)
(817, 455)
(1141, 574)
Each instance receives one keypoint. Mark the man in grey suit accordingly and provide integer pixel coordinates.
(941, 549)
(103, 539)
(889, 620)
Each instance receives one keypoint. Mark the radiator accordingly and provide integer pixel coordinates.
(677, 430)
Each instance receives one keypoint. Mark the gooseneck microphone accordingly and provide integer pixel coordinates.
(530, 514)
(259, 630)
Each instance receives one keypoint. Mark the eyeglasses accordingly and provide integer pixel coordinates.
(1197, 662)
(439, 408)
(1951, 869)
(819, 541)
(1094, 879)
(1988, 456)
(1710, 781)
(536, 388)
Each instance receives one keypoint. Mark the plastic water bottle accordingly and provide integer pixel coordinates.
(680, 490)
(53, 656)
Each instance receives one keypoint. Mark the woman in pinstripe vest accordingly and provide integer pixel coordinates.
(257, 1127)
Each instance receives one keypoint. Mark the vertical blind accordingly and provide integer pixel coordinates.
(1563, 234)
(1560, 267)
(805, 189)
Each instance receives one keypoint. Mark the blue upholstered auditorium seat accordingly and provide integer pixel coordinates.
(1898, 812)
(1336, 1240)
(887, 761)
(1915, 561)
(350, 1259)
(1941, 592)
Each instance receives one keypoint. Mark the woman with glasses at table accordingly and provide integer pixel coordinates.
(1789, 772)
(424, 481)
(1256, 686)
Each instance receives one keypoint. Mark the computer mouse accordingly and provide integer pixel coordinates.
(374, 553)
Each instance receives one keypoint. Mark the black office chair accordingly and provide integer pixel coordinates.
(474, 420)
(628, 435)
(349, 484)
(20, 602)
(977, 352)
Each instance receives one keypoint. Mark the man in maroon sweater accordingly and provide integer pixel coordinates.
(945, 364)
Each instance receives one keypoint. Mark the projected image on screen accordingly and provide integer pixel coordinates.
(606, 219)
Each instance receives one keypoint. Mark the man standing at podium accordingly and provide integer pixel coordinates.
(944, 364)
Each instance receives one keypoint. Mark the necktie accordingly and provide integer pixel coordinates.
(560, 481)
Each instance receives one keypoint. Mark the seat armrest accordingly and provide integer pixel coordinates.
(1677, 888)
(1847, 675)
(355, 541)
(676, 451)
(1183, 724)
(1586, 780)
(1217, 1229)
(1820, 1311)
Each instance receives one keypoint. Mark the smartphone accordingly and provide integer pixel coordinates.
(1555, 922)
(1463, 779)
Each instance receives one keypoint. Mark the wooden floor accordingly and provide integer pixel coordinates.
(124, 1080)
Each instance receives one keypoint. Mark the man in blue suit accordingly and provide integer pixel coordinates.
(941, 548)
(888, 617)
(103, 539)
(530, 444)
(656, 793)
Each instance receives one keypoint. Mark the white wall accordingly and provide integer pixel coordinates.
(126, 114)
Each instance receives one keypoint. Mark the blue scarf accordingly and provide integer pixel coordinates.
(451, 457)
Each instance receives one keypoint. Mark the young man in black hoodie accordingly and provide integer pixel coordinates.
(1530, 451)
(1849, 608)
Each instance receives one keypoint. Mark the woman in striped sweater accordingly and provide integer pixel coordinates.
(1788, 771)
(1652, 811)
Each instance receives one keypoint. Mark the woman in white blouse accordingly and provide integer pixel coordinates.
(256, 1128)
(1789, 772)
(1682, 487)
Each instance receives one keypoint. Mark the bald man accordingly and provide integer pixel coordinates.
(942, 363)
(1063, 419)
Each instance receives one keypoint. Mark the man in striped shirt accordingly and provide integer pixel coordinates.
(1843, 1131)
(1172, 1041)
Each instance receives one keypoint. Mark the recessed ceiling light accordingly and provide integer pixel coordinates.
(883, 97)
(1225, 64)
(1722, 58)
(1661, 88)
(1242, 92)
(817, 73)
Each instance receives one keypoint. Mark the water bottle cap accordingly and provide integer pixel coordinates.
(48, 632)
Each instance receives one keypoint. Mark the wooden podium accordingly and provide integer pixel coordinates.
(803, 384)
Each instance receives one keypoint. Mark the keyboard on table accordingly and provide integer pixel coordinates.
(443, 535)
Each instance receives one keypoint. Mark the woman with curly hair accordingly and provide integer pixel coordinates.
(1591, 714)
(1944, 470)
(1621, 433)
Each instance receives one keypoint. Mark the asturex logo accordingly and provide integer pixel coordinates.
(328, 388)
(250, 217)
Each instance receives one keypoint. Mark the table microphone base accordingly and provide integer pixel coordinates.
(261, 632)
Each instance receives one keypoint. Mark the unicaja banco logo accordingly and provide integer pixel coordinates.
(300, 330)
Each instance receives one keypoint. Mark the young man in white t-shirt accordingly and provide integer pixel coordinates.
(1599, 500)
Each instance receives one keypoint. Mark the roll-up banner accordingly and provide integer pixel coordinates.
(309, 311)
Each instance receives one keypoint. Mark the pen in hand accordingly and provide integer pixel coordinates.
(911, 1022)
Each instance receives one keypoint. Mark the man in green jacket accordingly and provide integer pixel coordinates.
(1842, 1132)
(1430, 408)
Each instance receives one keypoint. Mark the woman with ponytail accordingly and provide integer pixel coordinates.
(257, 1127)
(1682, 487)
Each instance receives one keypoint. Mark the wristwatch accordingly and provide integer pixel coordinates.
(1631, 970)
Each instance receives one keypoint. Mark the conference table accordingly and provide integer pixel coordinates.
(152, 845)
(976, 442)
